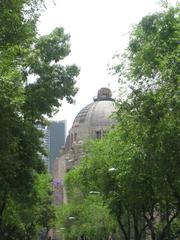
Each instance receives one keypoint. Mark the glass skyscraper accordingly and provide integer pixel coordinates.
(56, 136)
(53, 140)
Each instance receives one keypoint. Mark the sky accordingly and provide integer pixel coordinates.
(99, 29)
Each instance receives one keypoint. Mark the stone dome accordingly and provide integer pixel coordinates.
(94, 119)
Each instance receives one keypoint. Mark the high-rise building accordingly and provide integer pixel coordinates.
(53, 140)
(45, 144)
(56, 135)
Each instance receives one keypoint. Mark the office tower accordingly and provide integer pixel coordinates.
(45, 144)
(57, 134)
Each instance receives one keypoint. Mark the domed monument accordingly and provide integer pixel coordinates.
(92, 122)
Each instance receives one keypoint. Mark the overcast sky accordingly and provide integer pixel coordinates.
(99, 29)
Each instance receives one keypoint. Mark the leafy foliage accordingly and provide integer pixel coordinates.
(23, 220)
(24, 102)
(88, 218)
(136, 166)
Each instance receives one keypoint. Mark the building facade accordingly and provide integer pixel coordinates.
(56, 135)
(53, 139)
(92, 122)
(45, 144)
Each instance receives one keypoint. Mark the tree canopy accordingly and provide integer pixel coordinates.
(33, 82)
(136, 166)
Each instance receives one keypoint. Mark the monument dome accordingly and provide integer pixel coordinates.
(94, 119)
(92, 122)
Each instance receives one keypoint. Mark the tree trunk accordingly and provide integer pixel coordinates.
(151, 227)
(123, 229)
(136, 230)
(164, 232)
(3, 206)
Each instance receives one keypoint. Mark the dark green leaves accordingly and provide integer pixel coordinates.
(25, 56)
(55, 46)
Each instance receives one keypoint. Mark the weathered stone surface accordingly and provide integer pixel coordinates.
(93, 121)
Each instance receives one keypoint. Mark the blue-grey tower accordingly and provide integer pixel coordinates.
(57, 134)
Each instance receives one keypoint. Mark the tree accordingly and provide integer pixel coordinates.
(84, 216)
(25, 103)
(136, 166)
(152, 71)
(106, 169)
(24, 220)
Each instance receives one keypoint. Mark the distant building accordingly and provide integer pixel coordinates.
(92, 122)
(57, 134)
(53, 140)
(45, 143)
